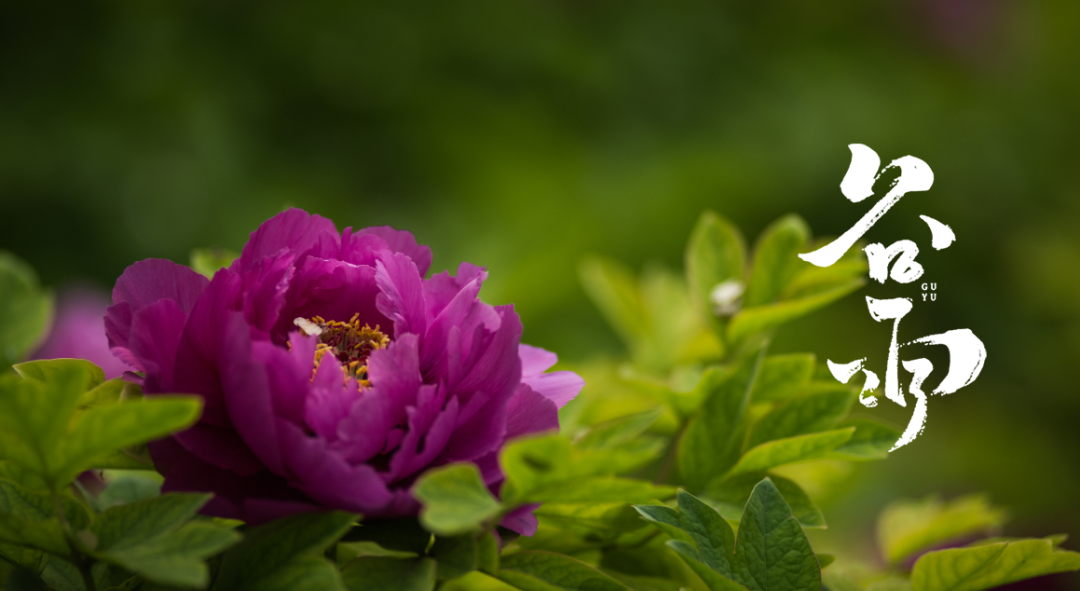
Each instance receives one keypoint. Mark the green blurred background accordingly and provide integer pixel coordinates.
(522, 135)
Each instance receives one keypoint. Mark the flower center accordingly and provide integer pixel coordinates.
(347, 342)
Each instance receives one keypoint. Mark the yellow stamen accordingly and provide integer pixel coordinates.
(347, 342)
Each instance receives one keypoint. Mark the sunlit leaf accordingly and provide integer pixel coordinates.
(790, 450)
(729, 498)
(614, 290)
(905, 527)
(207, 261)
(597, 521)
(618, 431)
(781, 375)
(776, 259)
(45, 370)
(871, 441)
(802, 415)
(34, 416)
(713, 438)
(539, 467)
(759, 319)
(715, 254)
(547, 571)
(990, 565)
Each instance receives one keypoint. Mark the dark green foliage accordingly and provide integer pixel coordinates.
(284, 553)
(25, 309)
(154, 539)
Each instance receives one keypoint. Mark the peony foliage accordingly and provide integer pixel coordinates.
(321, 412)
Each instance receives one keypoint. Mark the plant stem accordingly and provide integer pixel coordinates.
(77, 557)
(671, 455)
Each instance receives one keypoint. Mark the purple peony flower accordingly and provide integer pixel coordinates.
(78, 333)
(334, 374)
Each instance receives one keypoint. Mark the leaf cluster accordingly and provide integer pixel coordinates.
(681, 486)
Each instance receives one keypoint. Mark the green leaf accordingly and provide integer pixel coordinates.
(545, 571)
(28, 558)
(109, 577)
(175, 558)
(25, 309)
(539, 467)
(105, 429)
(771, 552)
(593, 521)
(713, 438)
(62, 575)
(28, 518)
(729, 497)
(618, 431)
(681, 404)
(825, 559)
(806, 414)
(123, 459)
(989, 566)
(781, 375)
(890, 583)
(647, 565)
(759, 319)
(488, 553)
(347, 551)
(790, 450)
(133, 524)
(129, 488)
(871, 441)
(614, 290)
(776, 259)
(834, 580)
(285, 549)
(905, 527)
(455, 500)
(34, 417)
(715, 254)
(405, 535)
(675, 332)
(44, 370)
(390, 574)
(207, 261)
(603, 489)
(41, 431)
(306, 572)
(456, 556)
(153, 539)
(106, 393)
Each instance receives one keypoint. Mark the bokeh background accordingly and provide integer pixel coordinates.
(522, 135)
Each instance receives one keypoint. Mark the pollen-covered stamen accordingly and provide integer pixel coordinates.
(347, 342)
